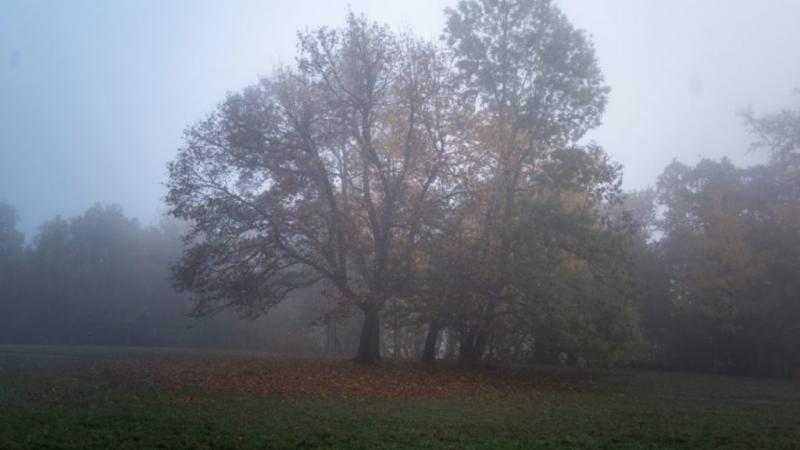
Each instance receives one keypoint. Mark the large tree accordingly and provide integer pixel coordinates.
(323, 173)
(337, 170)
(538, 89)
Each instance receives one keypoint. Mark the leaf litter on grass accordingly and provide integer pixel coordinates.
(335, 378)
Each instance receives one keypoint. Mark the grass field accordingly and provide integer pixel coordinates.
(74, 397)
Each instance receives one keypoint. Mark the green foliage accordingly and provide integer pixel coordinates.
(731, 237)
(529, 67)
(572, 284)
(713, 265)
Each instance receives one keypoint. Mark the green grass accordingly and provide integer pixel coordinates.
(69, 398)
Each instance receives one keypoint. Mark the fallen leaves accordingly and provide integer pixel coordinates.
(332, 379)
(191, 374)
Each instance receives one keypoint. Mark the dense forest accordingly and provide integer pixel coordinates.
(387, 197)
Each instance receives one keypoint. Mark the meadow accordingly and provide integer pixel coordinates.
(112, 397)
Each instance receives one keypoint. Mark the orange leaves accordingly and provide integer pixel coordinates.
(340, 379)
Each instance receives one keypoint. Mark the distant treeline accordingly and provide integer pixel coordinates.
(102, 279)
(717, 265)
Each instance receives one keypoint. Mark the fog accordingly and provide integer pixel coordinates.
(428, 224)
(95, 95)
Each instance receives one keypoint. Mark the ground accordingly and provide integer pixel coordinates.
(79, 397)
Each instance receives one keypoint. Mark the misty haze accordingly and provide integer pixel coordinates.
(420, 224)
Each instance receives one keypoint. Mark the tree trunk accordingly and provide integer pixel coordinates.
(465, 346)
(429, 353)
(476, 355)
(369, 345)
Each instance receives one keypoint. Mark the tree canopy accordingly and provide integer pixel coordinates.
(334, 171)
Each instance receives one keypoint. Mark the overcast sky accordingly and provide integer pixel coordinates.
(94, 95)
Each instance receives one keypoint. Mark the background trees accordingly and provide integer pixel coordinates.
(97, 278)
(11, 265)
(721, 297)
(102, 279)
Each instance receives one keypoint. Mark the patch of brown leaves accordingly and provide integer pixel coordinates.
(335, 378)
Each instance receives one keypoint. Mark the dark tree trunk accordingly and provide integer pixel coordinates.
(472, 346)
(476, 356)
(369, 350)
(429, 353)
(465, 346)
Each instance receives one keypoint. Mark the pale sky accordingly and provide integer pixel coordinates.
(95, 95)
